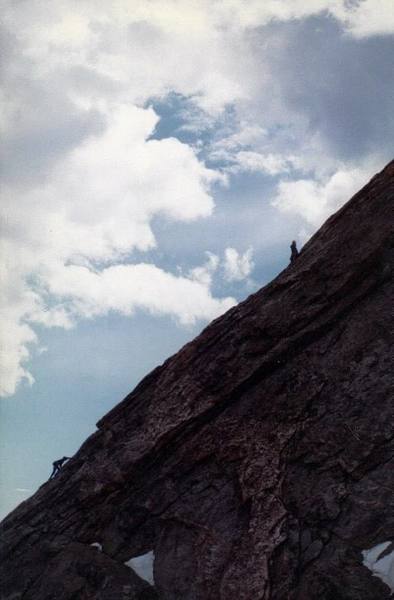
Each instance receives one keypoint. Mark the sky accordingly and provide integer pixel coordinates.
(158, 157)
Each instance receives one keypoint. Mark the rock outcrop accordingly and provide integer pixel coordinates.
(255, 462)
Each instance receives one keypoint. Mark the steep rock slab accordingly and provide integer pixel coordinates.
(256, 461)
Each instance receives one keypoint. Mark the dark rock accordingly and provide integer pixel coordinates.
(80, 571)
(255, 462)
(312, 551)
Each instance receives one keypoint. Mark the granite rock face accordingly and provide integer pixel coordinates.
(255, 462)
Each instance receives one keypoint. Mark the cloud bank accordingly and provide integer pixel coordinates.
(68, 240)
(291, 90)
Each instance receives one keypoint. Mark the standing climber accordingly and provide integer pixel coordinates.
(57, 466)
(294, 251)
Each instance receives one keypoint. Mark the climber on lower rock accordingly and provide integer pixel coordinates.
(294, 251)
(57, 466)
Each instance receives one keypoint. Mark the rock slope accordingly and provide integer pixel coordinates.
(255, 463)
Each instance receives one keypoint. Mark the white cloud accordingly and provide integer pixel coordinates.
(248, 135)
(315, 201)
(94, 209)
(271, 164)
(237, 266)
(365, 17)
(13, 352)
(360, 17)
(126, 44)
(204, 273)
(126, 288)
(98, 53)
(205, 45)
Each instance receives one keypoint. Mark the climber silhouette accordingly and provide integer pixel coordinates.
(57, 466)
(294, 251)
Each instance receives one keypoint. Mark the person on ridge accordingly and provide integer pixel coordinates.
(57, 465)
(294, 251)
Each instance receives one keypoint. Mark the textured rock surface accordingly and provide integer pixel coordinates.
(256, 461)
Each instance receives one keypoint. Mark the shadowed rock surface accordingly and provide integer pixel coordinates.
(255, 462)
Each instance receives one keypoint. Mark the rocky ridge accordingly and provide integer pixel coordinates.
(255, 463)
